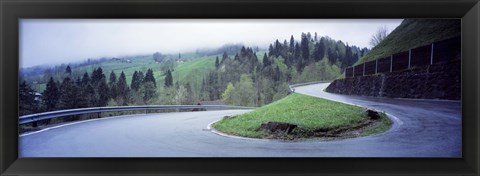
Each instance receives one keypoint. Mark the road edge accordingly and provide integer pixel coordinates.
(396, 123)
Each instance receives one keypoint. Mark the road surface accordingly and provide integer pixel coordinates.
(422, 129)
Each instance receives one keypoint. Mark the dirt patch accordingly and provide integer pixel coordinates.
(278, 127)
(286, 131)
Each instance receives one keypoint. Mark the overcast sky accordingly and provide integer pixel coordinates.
(63, 41)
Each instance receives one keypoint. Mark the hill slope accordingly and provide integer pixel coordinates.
(191, 71)
(412, 33)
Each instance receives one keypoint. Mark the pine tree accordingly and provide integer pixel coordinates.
(136, 81)
(297, 52)
(122, 88)
(284, 49)
(243, 51)
(50, 95)
(349, 58)
(276, 48)
(112, 84)
(277, 75)
(68, 70)
(213, 86)
(97, 75)
(224, 57)
(68, 95)
(150, 78)
(217, 63)
(266, 61)
(332, 55)
(89, 93)
(321, 49)
(78, 82)
(150, 91)
(168, 79)
(300, 65)
(237, 57)
(102, 93)
(292, 44)
(27, 102)
(271, 50)
(85, 79)
(140, 76)
(305, 49)
(82, 102)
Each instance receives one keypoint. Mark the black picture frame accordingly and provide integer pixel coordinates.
(12, 10)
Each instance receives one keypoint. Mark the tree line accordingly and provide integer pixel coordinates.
(247, 80)
(88, 91)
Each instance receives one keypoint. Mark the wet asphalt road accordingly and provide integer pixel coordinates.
(422, 129)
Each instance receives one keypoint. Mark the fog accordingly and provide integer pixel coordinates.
(63, 41)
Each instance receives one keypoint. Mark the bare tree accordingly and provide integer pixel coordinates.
(181, 95)
(381, 33)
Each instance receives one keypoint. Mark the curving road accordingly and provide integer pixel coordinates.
(423, 128)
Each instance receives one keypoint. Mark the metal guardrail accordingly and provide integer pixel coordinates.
(292, 90)
(61, 113)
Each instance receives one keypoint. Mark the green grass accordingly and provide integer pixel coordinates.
(190, 71)
(195, 70)
(309, 113)
(39, 87)
(141, 63)
(413, 33)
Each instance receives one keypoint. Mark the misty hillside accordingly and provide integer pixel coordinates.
(189, 69)
(412, 33)
(249, 80)
(248, 77)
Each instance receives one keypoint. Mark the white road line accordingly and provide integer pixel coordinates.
(209, 127)
(73, 123)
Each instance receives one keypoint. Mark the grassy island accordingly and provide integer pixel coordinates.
(313, 117)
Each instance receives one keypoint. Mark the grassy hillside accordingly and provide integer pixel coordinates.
(412, 33)
(190, 71)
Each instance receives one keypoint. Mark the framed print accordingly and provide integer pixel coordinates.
(220, 87)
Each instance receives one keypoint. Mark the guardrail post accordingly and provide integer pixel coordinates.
(364, 69)
(391, 63)
(353, 71)
(376, 66)
(431, 55)
(409, 57)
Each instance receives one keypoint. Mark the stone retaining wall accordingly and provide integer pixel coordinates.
(437, 81)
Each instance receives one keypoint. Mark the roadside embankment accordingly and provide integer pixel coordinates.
(437, 81)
